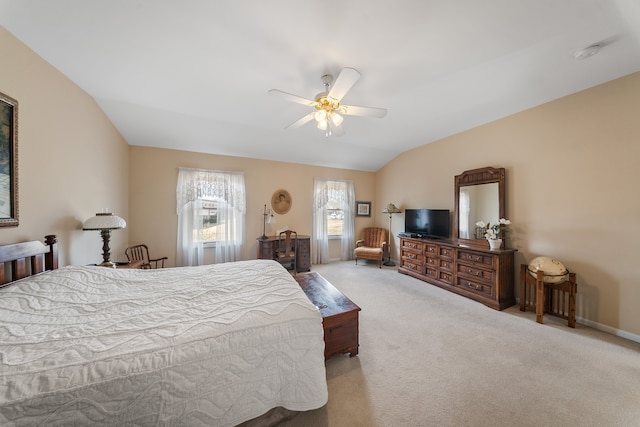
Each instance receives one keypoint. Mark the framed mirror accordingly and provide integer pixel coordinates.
(479, 196)
(8, 161)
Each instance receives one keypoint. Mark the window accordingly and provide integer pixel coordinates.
(211, 208)
(211, 231)
(333, 205)
(335, 218)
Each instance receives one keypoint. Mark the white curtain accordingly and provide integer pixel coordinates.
(225, 187)
(342, 191)
(190, 247)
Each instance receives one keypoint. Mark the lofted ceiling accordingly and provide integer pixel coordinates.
(194, 74)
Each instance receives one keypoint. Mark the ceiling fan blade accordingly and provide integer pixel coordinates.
(354, 110)
(347, 78)
(290, 97)
(304, 120)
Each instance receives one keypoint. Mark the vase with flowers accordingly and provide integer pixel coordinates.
(494, 232)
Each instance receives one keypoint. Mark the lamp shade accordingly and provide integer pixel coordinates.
(104, 221)
(391, 208)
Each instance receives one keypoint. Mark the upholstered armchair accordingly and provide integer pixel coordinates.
(372, 245)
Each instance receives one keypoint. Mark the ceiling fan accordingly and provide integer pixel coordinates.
(328, 109)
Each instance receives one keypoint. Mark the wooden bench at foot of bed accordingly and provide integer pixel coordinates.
(339, 314)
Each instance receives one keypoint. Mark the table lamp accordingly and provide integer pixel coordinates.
(105, 222)
(267, 218)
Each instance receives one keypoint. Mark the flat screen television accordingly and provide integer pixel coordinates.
(433, 223)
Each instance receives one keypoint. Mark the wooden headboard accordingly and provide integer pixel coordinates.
(27, 258)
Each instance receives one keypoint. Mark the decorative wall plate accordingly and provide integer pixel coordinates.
(281, 202)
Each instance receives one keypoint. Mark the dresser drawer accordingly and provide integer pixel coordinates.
(431, 262)
(303, 255)
(431, 249)
(446, 252)
(446, 277)
(477, 258)
(412, 246)
(475, 273)
(476, 286)
(410, 265)
(446, 265)
(411, 256)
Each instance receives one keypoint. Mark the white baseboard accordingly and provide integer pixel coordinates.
(609, 329)
(603, 328)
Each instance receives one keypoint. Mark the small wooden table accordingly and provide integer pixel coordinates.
(339, 314)
(557, 299)
(132, 264)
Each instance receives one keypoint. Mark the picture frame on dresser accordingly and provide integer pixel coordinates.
(8, 161)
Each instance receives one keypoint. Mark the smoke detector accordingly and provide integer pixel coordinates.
(587, 52)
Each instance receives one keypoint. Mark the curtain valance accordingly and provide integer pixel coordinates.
(194, 184)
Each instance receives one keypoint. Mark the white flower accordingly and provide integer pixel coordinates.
(503, 221)
(481, 224)
(491, 234)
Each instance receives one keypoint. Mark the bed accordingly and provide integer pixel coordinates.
(213, 345)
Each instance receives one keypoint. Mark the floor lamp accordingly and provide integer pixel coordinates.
(390, 209)
(267, 218)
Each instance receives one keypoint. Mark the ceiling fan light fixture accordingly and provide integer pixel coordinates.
(329, 110)
(336, 118)
(322, 124)
(320, 115)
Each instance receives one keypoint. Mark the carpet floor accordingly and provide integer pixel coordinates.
(429, 357)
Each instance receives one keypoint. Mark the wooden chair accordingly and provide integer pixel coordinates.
(286, 250)
(141, 253)
(371, 245)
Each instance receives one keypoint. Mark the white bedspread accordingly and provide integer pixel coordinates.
(212, 345)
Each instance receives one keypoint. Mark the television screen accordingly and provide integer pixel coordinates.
(432, 223)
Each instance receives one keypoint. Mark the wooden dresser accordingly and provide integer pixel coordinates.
(481, 274)
(267, 250)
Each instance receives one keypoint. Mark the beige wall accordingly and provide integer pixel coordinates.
(72, 162)
(152, 197)
(572, 177)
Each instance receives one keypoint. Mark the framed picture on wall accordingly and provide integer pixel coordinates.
(8, 161)
(281, 202)
(363, 208)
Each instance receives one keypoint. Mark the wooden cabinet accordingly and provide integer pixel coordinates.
(267, 250)
(339, 314)
(481, 274)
